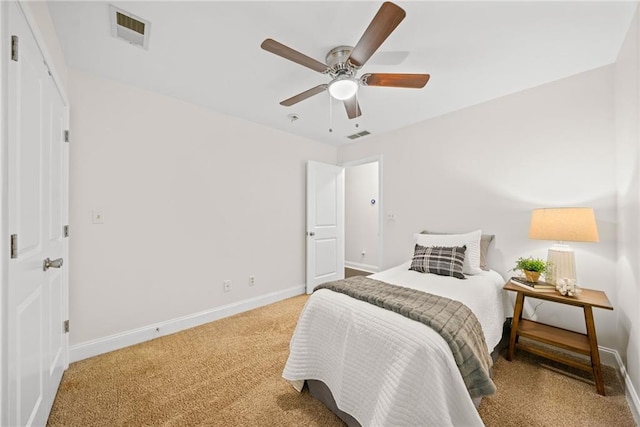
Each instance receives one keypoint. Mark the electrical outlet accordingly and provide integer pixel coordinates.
(227, 285)
(252, 280)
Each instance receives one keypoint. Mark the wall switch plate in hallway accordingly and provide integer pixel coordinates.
(227, 285)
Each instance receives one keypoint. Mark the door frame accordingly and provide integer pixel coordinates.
(364, 161)
(4, 211)
(5, 43)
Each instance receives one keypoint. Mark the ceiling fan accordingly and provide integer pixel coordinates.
(343, 63)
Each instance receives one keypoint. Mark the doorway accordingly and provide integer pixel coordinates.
(363, 214)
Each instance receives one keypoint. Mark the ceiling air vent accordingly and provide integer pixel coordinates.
(129, 27)
(359, 134)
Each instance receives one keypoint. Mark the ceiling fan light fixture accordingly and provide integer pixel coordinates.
(343, 87)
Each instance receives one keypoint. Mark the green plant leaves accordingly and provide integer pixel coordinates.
(531, 264)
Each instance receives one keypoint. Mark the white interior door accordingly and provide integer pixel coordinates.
(38, 208)
(325, 223)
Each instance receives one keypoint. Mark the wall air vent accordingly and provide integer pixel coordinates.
(129, 27)
(359, 134)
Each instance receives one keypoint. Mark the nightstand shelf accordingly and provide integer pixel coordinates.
(563, 338)
(585, 344)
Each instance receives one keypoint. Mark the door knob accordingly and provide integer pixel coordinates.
(311, 234)
(56, 263)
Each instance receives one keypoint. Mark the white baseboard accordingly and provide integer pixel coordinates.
(611, 357)
(146, 333)
(363, 267)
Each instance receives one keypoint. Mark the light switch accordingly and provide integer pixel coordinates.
(97, 216)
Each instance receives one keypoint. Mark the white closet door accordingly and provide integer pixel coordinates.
(38, 207)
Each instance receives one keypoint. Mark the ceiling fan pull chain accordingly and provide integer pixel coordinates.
(357, 107)
(330, 115)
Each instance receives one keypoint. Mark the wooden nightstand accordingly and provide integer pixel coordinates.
(586, 344)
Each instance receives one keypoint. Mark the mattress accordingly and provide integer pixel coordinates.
(383, 368)
(482, 293)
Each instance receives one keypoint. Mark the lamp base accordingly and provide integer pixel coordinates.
(562, 263)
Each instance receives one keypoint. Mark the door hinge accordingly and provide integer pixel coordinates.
(14, 246)
(66, 326)
(66, 136)
(65, 231)
(14, 48)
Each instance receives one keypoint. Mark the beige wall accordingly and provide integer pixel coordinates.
(627, 107)
(190, 198)
(489, 165)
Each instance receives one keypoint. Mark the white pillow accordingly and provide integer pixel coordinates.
(470, 240)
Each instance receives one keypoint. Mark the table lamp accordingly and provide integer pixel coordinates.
(563, 225)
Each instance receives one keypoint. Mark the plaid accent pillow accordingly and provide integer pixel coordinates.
(445, 261)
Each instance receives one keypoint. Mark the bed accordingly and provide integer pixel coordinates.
(376, 367)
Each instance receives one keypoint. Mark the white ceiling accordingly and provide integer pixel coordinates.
(208, 53)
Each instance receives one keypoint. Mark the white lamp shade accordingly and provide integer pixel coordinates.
(343, 88)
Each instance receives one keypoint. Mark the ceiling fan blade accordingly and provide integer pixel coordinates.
(386, 20)
(304, 95)
(414, 81)
(286, 52)
(352, 106)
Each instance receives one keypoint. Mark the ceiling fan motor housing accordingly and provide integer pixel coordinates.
(337, 60)
(337, 55)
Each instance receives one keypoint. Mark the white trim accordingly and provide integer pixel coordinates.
(611, 357)
(364, 267)
(145, 333)
(4, 212)
(364, 161)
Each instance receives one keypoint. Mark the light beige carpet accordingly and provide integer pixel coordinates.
(228, 373)
(350, 272)
(533, 391)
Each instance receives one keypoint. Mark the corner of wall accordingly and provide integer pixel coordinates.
(627, 109)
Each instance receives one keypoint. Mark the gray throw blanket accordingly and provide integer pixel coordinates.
(454, 321)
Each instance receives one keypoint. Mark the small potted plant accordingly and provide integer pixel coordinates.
(531, 267)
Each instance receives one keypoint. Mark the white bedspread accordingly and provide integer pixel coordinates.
(383, 368)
